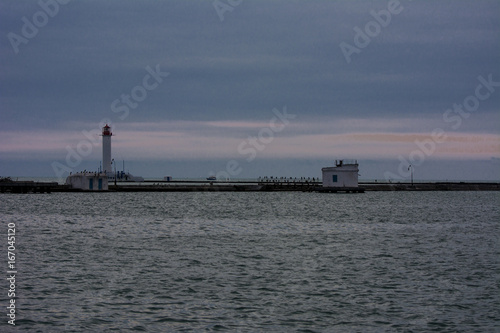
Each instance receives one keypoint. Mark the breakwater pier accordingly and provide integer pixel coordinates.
(305, 186)
(247, 186)
(28, 187)
(431, 186)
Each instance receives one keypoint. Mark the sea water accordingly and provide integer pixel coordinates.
(250, 262)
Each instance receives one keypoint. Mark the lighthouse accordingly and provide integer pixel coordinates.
(106, 150)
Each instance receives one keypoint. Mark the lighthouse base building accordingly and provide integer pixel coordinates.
(88, 181)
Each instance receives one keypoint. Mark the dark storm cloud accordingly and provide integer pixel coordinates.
(262, 55)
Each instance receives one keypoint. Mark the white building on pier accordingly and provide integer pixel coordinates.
(88, 181)
(343, 174)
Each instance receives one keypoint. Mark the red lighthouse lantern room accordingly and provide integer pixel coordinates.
(106, 130)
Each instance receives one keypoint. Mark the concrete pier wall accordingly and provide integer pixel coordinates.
(239, 186)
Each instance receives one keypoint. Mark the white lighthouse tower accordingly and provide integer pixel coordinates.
(106, 150)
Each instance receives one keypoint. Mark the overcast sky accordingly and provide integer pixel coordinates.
(277, 87)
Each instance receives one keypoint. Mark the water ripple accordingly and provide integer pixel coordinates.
(248, 262)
